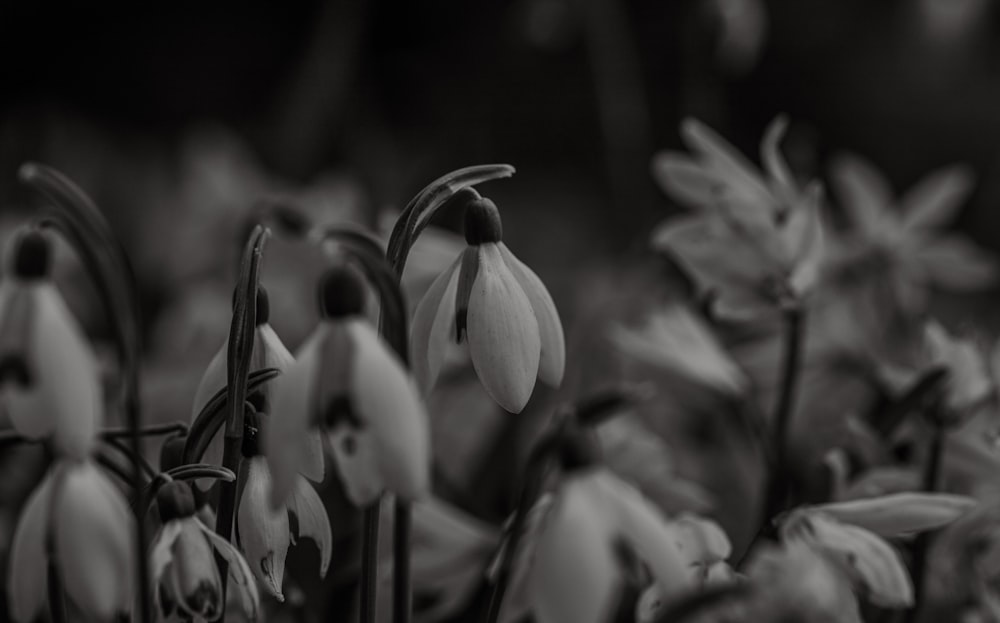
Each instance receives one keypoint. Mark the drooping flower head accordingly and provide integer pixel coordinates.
(183, 570)
(591, 540)
(264, 532)
(49, 378)
(77, 519)
(347, 383)
(268, 352)
(500, 306)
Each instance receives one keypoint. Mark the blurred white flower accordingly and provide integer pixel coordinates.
(596, 527)
(970, 380)
(743, 31)
(347, 383)
(77, 519)
(752, 243)
(501, 307)
(183, 570)
(676, 340)
(49, 376)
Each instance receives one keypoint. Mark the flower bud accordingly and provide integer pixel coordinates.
(482, 222)
(341, 293)
(175, 501)
(32, 256)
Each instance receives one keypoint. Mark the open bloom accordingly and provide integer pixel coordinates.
(268, 352)
(183, 570)
(346, 382)
(501, 307)
(49, 377)
(597, 528)
(79, 521)
(752, 242)
(264, 532)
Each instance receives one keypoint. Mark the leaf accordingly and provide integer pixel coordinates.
(900, 514)
(871, 561)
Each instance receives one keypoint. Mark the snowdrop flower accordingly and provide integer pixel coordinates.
(268, 352)
(346, 382)
(970, 380)
(78, 519)
(49, 376)
(183, 570)
(596, 527)
(500, 306)
(753, 242)
(264, 532)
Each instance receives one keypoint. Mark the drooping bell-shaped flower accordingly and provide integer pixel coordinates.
(502, 308)
(597, 528)
(346, 382)
(183, 570)
(49, 378)
(268, 352)
(79, 520)
(265, 532)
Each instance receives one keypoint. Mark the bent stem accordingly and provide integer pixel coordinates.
(777, 484)
(932, 471)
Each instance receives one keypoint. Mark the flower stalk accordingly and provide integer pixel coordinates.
(79, 219)
(931, 476)
(241, 335)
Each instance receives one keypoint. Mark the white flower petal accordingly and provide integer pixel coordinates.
(240, 576)
(743, 183)
(865, 194)
(684, 180)
(552, 363)
(160, 555)
(263, 531)
(433, 327)
(288, 438)
(936, 199)
(94, 540)
(355, 454)
(313, 522)
(386, 400)
(770, 153)
(27, 580)
(953, 262)
(65, 399)
(193, 581)
(575, 576)
(900, 514)
(503, 333)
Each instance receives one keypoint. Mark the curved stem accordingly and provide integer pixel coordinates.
(148, 431)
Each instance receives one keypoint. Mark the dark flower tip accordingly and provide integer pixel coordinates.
(482, 222)
(32, 256)
(263, 312)
(176, 501)
(341, 293)
(251, 435)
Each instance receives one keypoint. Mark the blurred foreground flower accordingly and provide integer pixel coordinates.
(347, 383)
(268, 352)
(264, 532)
(501, 307)
(49, 376)
(754, 244)
(596, 531)
(77, 520)
(971, 381)
(184, 572)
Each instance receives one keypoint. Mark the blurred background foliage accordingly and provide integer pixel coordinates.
(179, 117)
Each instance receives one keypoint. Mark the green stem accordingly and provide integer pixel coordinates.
(778, 483)
(931, 476)
(369, 563)
(148, 431)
